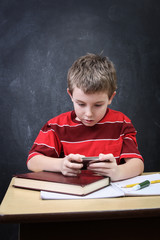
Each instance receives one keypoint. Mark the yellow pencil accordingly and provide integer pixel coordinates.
(132, 185)
(155, 181)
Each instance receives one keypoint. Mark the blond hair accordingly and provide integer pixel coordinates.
(92, 73)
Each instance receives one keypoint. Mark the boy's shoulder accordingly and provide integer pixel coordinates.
(62, 119)
(116, 116)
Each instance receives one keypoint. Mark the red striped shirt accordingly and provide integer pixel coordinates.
(63, 135)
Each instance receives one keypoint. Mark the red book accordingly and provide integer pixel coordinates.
(83, 184)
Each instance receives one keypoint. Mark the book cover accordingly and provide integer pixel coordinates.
(84, 183)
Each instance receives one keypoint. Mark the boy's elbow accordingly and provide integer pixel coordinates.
(31, 165)
(137, 165)
(141, 166)
(34, 164)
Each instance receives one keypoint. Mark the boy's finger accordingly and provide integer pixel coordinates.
(107, 157)
(74, 165)
(75, 157)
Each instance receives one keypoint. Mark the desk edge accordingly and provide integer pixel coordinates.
(80, 216)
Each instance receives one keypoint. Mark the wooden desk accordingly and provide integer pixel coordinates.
(115, 218)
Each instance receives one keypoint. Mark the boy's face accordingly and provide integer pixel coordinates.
(90, 108)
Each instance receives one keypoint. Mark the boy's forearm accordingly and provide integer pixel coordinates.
(133, 167)
(44, 163)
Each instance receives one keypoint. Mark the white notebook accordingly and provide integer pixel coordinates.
(115, 189)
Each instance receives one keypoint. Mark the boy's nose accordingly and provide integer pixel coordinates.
(89, 112)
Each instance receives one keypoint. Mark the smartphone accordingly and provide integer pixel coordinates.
(88, 160)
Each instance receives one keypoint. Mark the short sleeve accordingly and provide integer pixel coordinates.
(47, 143)
(129, 146)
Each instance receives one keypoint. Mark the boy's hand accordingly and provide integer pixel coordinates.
(106, 167)
(72, 164)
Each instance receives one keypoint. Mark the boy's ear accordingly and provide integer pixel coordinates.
(111, 98)
(69, 93)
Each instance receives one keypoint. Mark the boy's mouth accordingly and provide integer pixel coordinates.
(87, 121)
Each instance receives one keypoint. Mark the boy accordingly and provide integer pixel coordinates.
(92, 129)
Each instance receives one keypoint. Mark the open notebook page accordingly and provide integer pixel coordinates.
(152, 189)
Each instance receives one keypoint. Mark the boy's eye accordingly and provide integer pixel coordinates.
(81, 104)
(97, 105)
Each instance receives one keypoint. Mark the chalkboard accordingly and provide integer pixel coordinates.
(39, 40)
